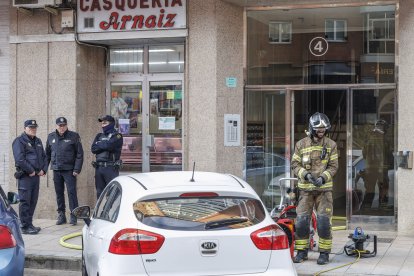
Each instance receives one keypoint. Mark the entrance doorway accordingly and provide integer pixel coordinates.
(277, 119)
(148, 112)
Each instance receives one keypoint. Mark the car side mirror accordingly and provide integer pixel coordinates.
(83, 212)
(13, 198)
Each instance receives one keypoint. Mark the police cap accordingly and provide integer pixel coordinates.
(30, 123)
(108, 118)
(61, 121)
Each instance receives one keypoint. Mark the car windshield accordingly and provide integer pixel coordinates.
(200, 214)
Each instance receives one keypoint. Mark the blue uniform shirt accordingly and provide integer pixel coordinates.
(29, 154)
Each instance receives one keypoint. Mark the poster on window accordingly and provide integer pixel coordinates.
(124, 126)
(166, 123)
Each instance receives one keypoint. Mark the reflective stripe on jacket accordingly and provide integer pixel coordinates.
(307, 158)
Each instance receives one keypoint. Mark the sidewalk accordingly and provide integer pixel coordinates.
(44, 251)
(395, 253)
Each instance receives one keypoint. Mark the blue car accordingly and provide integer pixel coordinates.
(11, 241)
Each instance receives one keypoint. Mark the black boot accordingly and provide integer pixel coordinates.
(323, 258)
(301, 256)
(61, 218)
(73, 220)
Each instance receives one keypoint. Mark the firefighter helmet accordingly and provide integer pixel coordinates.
(318, 120)
(380, 126)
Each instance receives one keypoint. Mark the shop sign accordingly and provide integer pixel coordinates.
(130, 15)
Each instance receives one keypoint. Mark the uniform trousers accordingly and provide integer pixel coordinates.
(322, 202)
(60, 177)
(104, 175)
(28, 187)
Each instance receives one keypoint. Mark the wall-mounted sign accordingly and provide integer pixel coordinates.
(318, 46)
(231, 82)
(130, 15)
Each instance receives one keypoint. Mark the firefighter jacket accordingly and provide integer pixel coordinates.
(64, 152)
(377, 152)
(29, 155)
(318, 158)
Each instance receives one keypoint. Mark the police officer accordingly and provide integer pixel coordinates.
(315, 163)
(31, 162)
(65, 154)
(107, 147)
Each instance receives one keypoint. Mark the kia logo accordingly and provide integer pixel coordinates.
(208, 245)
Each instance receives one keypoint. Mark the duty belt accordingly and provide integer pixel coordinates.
(105, 164)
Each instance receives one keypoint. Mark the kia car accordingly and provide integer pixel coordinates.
(181, 223)
(11, 241)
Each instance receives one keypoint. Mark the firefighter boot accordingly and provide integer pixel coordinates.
(61, 218)
(301, 256)
(323, 258)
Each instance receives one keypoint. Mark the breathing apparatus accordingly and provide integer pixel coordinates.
(359, 244)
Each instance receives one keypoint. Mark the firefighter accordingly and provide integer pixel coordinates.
(378, 157)
(107, 148)
(315, 163)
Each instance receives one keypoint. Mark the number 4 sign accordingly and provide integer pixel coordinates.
(318, 46)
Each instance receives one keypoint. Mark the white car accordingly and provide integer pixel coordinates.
(174, 223)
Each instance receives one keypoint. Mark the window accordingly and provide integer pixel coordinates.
(200, 214)
(126, 60)
(166, 59)
(336, 30)
(280, 32)
(380, 35)
(109, 204)
(382, 29)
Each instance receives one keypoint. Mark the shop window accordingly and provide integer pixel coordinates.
(166, 59)
(126, 60)
(336, 30)
(280, 32)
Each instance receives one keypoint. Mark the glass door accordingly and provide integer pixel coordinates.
(127, 108)
(148, 113)
(333, 103)
(165, 125)
(372, 163)
(267, 134)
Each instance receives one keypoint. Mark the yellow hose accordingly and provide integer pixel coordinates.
(63, 242)
(338, 218)
(337, 267)
(336, 228)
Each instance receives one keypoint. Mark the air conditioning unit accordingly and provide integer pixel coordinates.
(35, 4)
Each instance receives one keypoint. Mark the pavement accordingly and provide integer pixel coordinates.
(395, 254)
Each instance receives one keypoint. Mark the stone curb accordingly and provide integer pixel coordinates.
(53, 262)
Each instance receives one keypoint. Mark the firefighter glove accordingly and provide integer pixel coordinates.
(319, 182)
(310, 178)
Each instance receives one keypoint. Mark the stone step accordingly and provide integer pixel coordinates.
(53, 262)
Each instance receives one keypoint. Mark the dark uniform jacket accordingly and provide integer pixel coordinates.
(64, 152)
(107, 147)
(307, 159)
(29, 154)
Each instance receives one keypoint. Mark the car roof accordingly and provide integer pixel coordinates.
(173, 183)
(162, 180)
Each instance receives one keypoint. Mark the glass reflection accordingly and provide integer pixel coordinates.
(361, 45)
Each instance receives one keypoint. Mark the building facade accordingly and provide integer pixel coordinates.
(225, 85)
